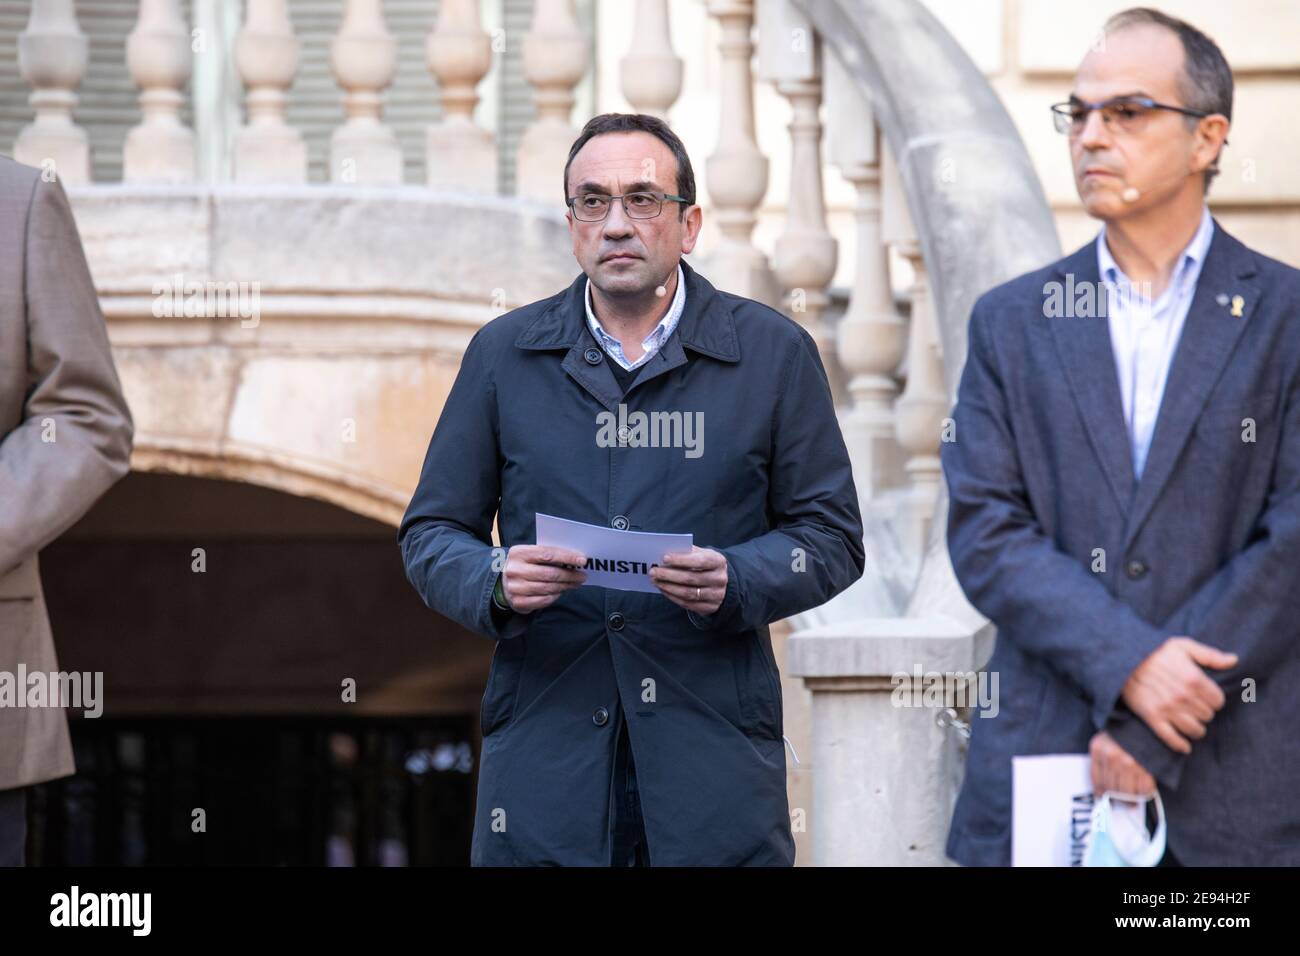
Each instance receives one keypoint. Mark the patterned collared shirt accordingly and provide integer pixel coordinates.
(1144, 333)
(653, 342)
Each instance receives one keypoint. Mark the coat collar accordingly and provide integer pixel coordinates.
(1209, 336)
(706, 326)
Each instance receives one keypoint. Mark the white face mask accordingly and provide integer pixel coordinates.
(1119, 832)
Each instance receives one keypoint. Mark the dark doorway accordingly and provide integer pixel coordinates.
(291, 685)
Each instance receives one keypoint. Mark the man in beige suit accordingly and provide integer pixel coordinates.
(65, 438)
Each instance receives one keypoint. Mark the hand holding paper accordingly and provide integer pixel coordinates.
(536, 575)
(613, 559)
(1058, 820)
(696, 581)
(1114, 769)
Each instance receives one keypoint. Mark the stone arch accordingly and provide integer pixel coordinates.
(308, 478)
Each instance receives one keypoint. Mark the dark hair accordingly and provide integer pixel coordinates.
(1206, 80)
(643, 123)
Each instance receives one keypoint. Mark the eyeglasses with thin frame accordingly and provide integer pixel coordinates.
(1124, 114)
(593, 207)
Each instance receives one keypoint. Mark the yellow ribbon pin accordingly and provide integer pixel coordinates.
(1238, 304)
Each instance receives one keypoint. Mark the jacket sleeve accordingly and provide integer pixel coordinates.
(1249, 607)
(446, 534)
(814, 550)
(74, 440)
(1043, 599)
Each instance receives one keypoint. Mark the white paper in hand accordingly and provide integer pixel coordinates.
(615, 559)
(1051, 809)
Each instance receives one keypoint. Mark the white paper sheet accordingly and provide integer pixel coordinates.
(1051, 809)
(615, 559)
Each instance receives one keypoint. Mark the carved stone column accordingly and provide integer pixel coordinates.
(460, 153)
(555, 60)
(267, 149)
(52, 59)
(920, 411)
(806, 253)
(364, 59)
(737, 170)
(651, 73)
(871, 334)
(161, 148)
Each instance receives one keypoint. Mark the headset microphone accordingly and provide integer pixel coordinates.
(1131, 194)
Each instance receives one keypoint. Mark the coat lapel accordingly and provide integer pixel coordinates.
(597, 379)
(563, 325)
(1084, 346)
(1209, 336)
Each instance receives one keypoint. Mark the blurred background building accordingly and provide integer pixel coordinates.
(297, 212)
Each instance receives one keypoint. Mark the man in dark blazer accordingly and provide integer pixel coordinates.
(625, 727)
(65, 438)
(1125, 480)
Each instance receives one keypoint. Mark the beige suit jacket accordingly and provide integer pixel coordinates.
(65, 438)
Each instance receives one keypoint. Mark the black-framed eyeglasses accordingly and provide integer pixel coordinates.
(593, 207)
(1125, 114)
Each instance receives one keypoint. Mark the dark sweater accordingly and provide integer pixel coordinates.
(621, 375)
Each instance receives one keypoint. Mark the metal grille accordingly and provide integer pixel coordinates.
(274, 792)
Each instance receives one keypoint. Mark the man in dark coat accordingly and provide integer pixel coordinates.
(624, 727)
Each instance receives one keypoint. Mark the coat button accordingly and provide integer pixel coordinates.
(620, 523)
(1135, 569)
(592, 356)
(616, 621)
(601, 717)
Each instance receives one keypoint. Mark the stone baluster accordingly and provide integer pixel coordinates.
(460, 153)
(737, 170)
(52, 54)
(267, 149)
(363, 56)
(805, 254)
(555, 60)
(160, 148)
(920, 411)
(871, 334)
(651, 73)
